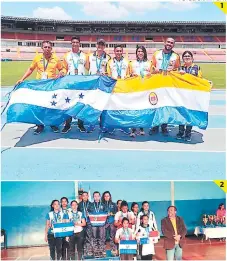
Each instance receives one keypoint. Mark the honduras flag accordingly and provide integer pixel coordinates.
(63, 229)
(128, 247)
(51, 102)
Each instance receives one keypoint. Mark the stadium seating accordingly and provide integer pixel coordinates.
(28, 53)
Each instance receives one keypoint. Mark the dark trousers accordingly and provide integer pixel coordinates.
(182, 129)
(112, 232)
(55, 246)
(65, 249)
(88, 249)
(134, 129)
(77, 240)
(99, 240)
(147, 257)
(163, 126)
(69, 121)
(126, 257)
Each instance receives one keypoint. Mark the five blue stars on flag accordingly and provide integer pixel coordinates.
(67, 100)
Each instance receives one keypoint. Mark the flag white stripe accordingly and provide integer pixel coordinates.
(95, 98)
(63, 229)
(98, 222)
(129, 246)
(175, 97)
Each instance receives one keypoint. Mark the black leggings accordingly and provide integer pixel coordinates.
(76, 240)
(55, 246)
(65, 249)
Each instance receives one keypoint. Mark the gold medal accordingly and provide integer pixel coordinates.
(76, 71)
(118, 77)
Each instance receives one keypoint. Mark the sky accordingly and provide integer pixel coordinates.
(121, 11)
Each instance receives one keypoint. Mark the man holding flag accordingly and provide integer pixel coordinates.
(47, 65)
(164, 61)
(74, 64)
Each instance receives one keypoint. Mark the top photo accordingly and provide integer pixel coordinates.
(113, 90)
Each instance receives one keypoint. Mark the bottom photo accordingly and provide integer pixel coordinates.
(76, 220)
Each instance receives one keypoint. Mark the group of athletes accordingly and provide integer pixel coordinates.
(76, 62)
(122, 223)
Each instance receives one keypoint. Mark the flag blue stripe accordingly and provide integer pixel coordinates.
(154, 117)
(98, 214)
(64, 234)
(33, 114)
(93, 224)
(128, 251)
(128, 242)
(60, 225)
(76, 82)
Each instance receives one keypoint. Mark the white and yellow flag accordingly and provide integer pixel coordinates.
(173, 99)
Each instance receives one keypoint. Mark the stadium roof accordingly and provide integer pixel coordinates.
(74, 22)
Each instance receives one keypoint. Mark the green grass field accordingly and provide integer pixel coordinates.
(13, 71)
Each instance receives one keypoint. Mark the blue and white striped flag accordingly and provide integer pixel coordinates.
(128, 247)
(51, 102)
(63, 229)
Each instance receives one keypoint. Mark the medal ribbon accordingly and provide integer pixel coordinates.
(56, 215)
(98, 65)
(119, 68)
(97, 209)
(75, 64)
(85, 209)
(165, 60)
(75, 216)
(141, 64)
(126, 233)
(45, 64)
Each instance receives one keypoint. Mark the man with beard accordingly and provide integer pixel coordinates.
(164, 61)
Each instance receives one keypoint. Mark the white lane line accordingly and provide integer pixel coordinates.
(117, 149)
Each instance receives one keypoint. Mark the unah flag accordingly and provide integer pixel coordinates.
(173, 99)
(63, 229)
(128, 247)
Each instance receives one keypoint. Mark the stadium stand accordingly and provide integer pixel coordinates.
(22, 37)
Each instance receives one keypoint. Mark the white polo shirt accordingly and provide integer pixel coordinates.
(118, 67)
(141, 68)
(73, 61)
(98, 63)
